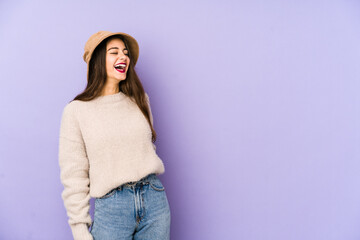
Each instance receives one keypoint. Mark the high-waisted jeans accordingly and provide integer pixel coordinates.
(136, 210)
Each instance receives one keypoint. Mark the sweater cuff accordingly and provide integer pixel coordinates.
(80, 231)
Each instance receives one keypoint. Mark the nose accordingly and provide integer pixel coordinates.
(123, 56)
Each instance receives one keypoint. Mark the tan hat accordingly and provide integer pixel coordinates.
(98, 37)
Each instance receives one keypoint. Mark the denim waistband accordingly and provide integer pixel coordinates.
(143, 180)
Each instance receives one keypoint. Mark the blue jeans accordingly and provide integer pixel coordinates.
(136, 210)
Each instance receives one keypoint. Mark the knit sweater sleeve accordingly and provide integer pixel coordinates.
(151, 116)
(74, 174)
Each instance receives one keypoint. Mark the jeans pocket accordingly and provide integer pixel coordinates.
(109, 194)
(157, 185)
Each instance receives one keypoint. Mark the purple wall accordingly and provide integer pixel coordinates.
(256, 106)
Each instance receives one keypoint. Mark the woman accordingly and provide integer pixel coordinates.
(107, 150)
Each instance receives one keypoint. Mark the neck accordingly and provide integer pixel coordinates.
(110, 89)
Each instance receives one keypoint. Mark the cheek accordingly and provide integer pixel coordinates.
(109, 60)
(109, 66)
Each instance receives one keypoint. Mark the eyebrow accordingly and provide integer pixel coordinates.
(116, 48)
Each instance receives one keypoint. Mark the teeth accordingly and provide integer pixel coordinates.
(120, 66)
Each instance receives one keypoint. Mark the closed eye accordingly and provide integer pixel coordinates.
(127, 54)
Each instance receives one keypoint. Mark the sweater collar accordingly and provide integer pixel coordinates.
(110, 98)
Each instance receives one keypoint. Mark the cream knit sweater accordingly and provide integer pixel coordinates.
(103, 143)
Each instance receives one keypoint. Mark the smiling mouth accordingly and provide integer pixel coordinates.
(120, 67)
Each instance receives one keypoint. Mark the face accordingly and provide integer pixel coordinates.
(117, 60)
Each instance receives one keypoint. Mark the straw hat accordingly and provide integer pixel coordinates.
(98, 37)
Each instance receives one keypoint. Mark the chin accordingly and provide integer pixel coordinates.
(119, 78)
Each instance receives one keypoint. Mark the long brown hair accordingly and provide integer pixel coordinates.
(131, 86)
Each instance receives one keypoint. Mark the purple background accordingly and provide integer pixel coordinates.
(256, 106)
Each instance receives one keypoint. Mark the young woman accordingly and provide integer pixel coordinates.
(107, 150)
